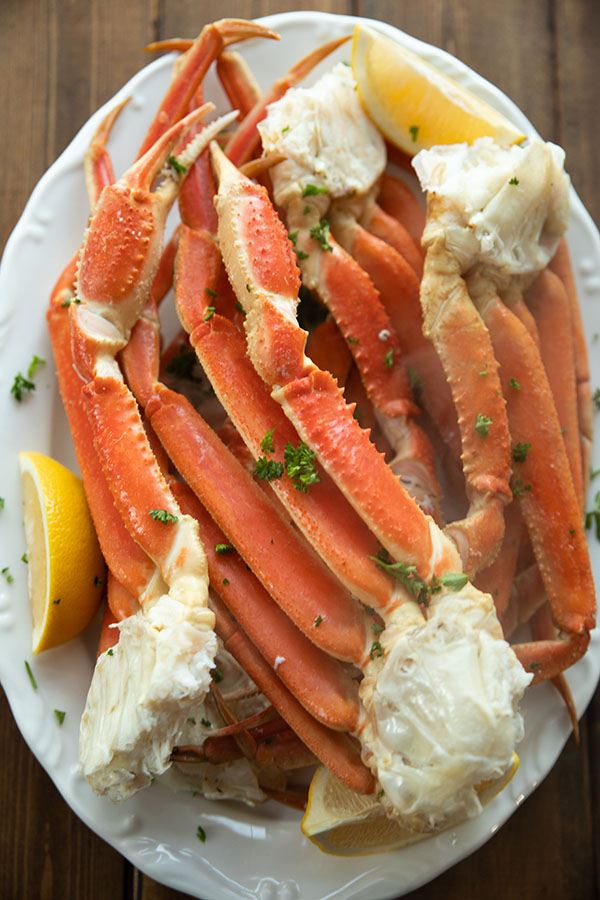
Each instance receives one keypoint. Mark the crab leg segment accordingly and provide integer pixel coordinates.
(249, 229)
(561, 266)
(465, 348)
(322, 513)
(336, 750)
(253, 524)
(548, 301)
(317, 680)
(193, 67)
(553, 517)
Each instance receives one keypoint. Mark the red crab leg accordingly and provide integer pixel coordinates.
(118, 262)
(249, 229)
(276, 553)
(553, 517)
(109, 636)
(561, 266)
(238, 82)
(328, 350)
(317, 680)
(548, 301)
(397, 199)
(131, 565)
(324, 516)
(398, 286)
(193, 67)
(336, 750)
(463, 344)
(384, 226)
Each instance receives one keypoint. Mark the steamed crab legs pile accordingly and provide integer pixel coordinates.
(346, 600)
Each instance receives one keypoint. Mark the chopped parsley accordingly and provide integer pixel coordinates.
(35, 363)
(25, 558)
(217, 675)
(109, 652)
(239, 307)
(248, 288)
(206, 723)
(191, 720)
(520, 451)
(2, 502)
(377, 628)
(520, 488)
(162, 516)
(266, 444)
(268, 469)
(201, 834)
(210, 311)
(306, 210)
(5, 571)
(514, 181)
(285, 128)
(98, 582)
(19, 385)
(414, 130)
(320, 233)
(60, 715)
(318, 621)
(407, 574)
(31, 676)
(375, 650)
(353, 340)
(222, 549)
(293, 236)
(596, 398)
(513, 383)
(300, 254)
(311, 190)
(388, 359)
(176, 165)
(535, 665)
(300, 466)
(57, 601)
(482, 425)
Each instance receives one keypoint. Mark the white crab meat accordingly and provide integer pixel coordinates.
(441, 708)
(502, 208)
(329, 141)
(142, 692)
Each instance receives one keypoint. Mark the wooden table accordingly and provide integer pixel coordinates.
(63, 59)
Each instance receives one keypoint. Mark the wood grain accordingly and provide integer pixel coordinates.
(61, 59)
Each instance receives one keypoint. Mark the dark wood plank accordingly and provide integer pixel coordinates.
(61, 61)
(45, 851)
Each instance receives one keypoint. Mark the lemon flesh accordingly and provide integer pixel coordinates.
(344, 823)
(416, 106)
(66, 568)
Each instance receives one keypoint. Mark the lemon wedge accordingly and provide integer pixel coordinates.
(342, 822)
(413, 104)
(66, 569)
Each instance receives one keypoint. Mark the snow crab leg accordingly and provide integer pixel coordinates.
(428, 566)
(473, 255)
